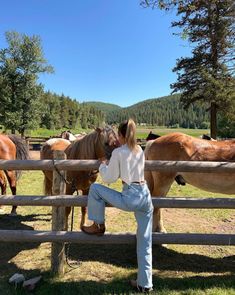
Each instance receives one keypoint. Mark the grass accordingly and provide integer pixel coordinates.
(106, 269)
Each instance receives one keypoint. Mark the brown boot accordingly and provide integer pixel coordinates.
(138, 288)
(94, 229)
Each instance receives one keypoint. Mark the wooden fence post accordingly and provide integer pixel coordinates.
(58, 218)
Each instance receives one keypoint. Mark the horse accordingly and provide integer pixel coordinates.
(182, 147)
(94, 145)
(12, 147)
(3, 185)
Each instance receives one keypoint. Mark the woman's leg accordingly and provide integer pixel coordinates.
(98, 196)
(144, 248)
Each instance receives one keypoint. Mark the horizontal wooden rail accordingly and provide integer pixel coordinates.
(114, 238)
(85, 165)
(81, 201)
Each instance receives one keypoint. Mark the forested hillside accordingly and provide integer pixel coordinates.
(165, 111)
(59, 111)
(104, 107)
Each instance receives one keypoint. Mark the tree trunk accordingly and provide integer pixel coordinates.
(213, 120)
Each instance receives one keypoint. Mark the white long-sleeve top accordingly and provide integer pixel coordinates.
(124, 164)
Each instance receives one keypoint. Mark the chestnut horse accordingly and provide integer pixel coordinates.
(97, 144)
(11, 148)
(182, 147)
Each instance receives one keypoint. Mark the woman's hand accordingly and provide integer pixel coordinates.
(103, 160)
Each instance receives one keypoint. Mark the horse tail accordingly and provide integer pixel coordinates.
(22, 151)
(148, 174)
(46, 153)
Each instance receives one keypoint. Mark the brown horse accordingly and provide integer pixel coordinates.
(182, 147)
(95, 145)
(11, 148)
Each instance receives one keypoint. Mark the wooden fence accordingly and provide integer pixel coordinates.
(58, 236)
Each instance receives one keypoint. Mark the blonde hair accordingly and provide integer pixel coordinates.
(128, 130)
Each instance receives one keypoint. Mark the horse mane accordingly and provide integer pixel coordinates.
(83, 148)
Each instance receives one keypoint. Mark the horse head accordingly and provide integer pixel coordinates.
(68, 135)
(107, 141)
(152, 136)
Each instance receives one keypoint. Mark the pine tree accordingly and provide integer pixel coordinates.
(207, 75)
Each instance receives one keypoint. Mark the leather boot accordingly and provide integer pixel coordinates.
(94, 229)
(138, 288)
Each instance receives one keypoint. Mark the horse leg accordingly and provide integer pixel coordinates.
(162, 184)
(11, 177)
(3, 186)
(83, 209)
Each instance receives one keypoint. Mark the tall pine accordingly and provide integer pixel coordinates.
(208, 75)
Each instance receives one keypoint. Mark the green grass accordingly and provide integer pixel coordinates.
(106, 269)
(142, 132)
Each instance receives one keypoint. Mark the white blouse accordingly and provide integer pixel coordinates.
(124, 164)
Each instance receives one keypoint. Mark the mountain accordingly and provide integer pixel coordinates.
(102, 106)
(163, 111)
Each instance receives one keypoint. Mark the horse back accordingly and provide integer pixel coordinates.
(182, 147)
(54, 144)
(7, 148)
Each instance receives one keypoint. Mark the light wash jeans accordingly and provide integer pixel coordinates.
(135, 198)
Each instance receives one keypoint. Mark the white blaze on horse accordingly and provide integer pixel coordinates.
(182, 147)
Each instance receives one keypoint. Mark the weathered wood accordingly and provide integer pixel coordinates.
(58, 218)
(81, 201)
(114, 238)
(84, 165)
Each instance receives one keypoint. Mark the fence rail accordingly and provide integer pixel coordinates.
(81, 201)
(85, 165)
(114, 238)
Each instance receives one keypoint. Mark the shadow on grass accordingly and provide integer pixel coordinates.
(162, 286)
(9, 250)
(163, 259)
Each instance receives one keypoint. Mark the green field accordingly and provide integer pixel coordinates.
(106, 269)
(142, 132)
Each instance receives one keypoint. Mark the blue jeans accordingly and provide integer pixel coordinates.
(135, 198)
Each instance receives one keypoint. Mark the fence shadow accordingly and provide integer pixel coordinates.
(164, 259)
(9, 250)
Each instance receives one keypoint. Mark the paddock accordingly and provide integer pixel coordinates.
(58, 236)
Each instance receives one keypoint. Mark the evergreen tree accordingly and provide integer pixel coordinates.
(207, 75)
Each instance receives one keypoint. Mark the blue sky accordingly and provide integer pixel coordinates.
(102, 50)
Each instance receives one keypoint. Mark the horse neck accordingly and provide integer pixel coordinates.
(85, 148)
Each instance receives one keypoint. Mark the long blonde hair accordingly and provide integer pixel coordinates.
(128, 130)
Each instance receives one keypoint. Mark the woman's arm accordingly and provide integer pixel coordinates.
(111, 172)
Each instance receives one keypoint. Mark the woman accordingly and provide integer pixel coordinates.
(127, 163)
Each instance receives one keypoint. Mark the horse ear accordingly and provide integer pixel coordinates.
(98, 129)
